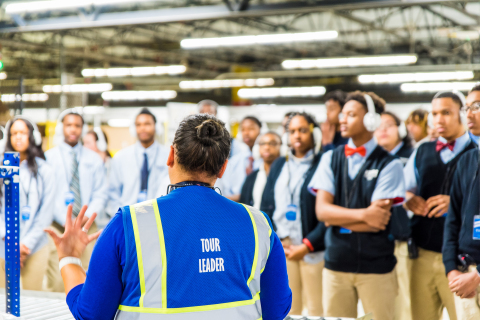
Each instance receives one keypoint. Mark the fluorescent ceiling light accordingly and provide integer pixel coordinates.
(437, 86)
(258, 39)
(119, 123)
(139, 95)
(39, 6)
(3, 75)
(134, 72)
(232, 83)
(281, 92)
(93, 110)
(27, 97)
(69, 88)
(386, 60)
(415, 77)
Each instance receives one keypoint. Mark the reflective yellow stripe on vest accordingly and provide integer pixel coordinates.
(147, 228)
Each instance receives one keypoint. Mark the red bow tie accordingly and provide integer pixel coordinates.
(351, 151)
(441, 145)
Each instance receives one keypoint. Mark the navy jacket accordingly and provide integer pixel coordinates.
(464, 205)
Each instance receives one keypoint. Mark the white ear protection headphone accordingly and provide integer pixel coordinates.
(159, 130)
(371, 120)
(3, 141)
(63, 114)
(102, 141)
(402, 130)
(461, 96)
(37, 136)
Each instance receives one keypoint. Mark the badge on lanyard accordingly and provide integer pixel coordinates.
(291, 213)
(476, 227)
(142, 196)
(26, 210)
(69, 198)
(345, 231)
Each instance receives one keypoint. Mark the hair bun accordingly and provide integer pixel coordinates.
(209, 131)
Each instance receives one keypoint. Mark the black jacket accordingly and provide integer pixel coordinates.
(434, 178)
(464, 205)
(246, 196)
(358, 252)
(312, 229)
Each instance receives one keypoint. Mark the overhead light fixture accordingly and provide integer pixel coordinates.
(281, 92)
(415, 77)
(139, 95)
(232, 83)
(93, 109)
(27, 97)
(73, 88)
(133, 72)
(437, 86)
(119, 123)
(385, 60)
(3, 75)
(39, 6)
(258, 39)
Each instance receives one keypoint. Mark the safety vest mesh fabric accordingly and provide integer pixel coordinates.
(152, 267)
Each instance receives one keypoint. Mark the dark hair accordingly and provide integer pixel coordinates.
(95, 135)
(273, 133)
(451, 95)
(254, 119)
(338, 96)
(359, 97)
(288, 114)
(476, 88)
(74, 114)
(33, 150)
(207, 102)
(147, 112)
(202, 144)
(407, 141)
(419, 117)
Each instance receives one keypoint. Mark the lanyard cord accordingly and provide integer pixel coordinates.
(27, 192)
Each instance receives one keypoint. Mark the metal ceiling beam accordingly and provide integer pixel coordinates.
(206, 13)
(347, 71)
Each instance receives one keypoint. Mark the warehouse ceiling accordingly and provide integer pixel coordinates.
(41, 45)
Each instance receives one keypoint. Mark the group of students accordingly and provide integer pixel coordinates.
(377, 209)
(367, 207)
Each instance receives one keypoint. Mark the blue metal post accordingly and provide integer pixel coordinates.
(10, 173)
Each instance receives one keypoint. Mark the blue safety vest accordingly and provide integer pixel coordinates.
(193, 254)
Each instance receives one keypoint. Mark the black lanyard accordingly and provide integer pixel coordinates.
(179, 185)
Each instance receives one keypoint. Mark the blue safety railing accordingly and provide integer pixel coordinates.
(10, 173)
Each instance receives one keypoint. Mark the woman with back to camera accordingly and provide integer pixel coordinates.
(291, 207)
(191, 254)
(392, 135)
(37, 192)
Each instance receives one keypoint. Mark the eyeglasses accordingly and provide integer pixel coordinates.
(272, 144)
(386, 126)
(474, 107)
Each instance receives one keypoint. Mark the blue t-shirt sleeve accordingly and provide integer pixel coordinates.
(275, 294)
(99, 297)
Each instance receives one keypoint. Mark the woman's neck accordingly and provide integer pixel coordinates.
(392, 146)
(23, 156)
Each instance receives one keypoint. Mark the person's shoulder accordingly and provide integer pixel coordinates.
(469, 158)
(52, 153)
(43, 166)
(91, 155)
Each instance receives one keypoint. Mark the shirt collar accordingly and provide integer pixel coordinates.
(307, 158)
(397, 148)
(149, 149)
(369, 146)
(460, 142)
(68, 148)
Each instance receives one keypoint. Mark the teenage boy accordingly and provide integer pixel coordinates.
(428, 177)
(356, 185)
(462, 232)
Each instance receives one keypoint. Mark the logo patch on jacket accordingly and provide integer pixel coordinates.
(371, 174)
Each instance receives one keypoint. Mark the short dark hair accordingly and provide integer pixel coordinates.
(273, 133)
(288, 114)
(74, 114)
(359, 97)
(202, 144)
(451, 95)
(476, 88)
(407, 141)
(254, 119)
(147, 112)
(338, 96)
